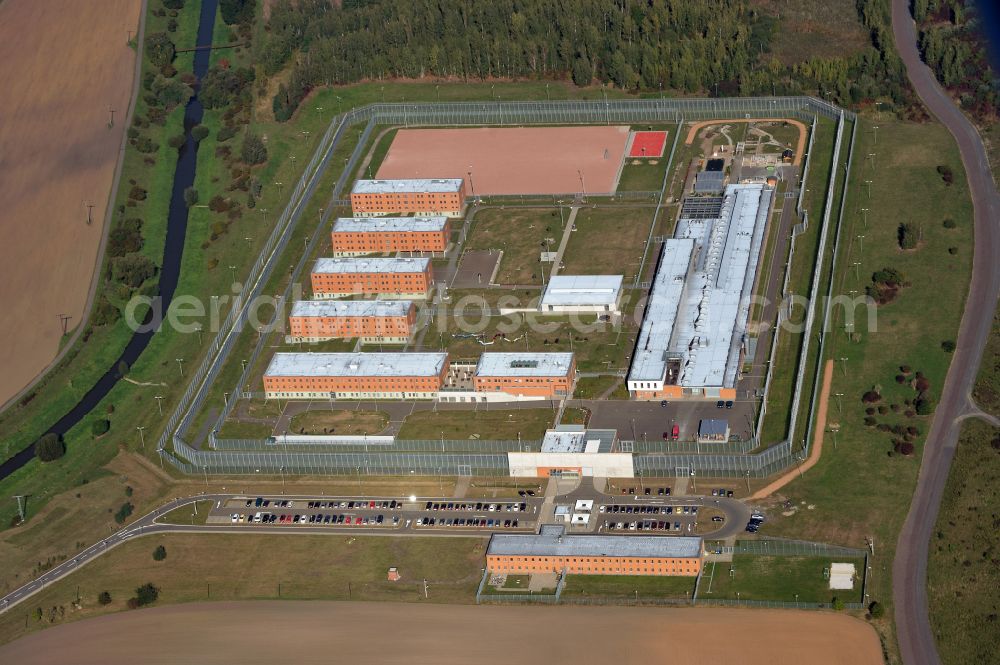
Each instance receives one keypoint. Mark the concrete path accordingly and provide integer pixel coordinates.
(567, 232)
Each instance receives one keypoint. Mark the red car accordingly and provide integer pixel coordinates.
(675, 433)
(357, 520)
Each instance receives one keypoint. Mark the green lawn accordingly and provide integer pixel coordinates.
(591, 387)
(962, 566)
(339, 422)
(608, 241)
(235, 429)
(645, 175)
(496, 423)
(349, 568)
(862, 489)
(780, 578)
(521, 234)
(195, 513)
(629, 587)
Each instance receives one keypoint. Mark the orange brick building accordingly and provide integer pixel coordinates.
(399, 277)
(382, 321)
(355, 375)
(434, 196)
(538, 375)
(356, 236)
(551, 551)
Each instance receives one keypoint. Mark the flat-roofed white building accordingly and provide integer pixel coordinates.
(693, 335)
(600, 294)
(526, 375)
(427, 196)
(572, 451)
(355, 375)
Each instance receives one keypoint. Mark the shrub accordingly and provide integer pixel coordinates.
(174, 4)
(837, 603)
(225, 134)
(875, 609)
(104, 598)
(871, 397)
(925, 405)
(160, 49)
(870, 421)
(137, 193)
(132, 269)
(160, 553)
(883, 409)
(948, 223)
(905, 369)
(124, 240)
(176, 141)
(948, 345)
(254, 151)
(172, 25)
(170, 92)
(190, 197)
(199, 133)
(128, 490)
(104, 312)
(123, 512)
(49, 447)
(909, 235)
(100, 427)
(904, 448)
(947, 175)
(953, 250)
(870, 411)
(900, 378)
(146, 594)
(921, 383)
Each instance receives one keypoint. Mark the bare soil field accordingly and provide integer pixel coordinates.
(514, 160)
(63, 65)
(304, 632)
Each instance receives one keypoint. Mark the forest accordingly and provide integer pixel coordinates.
(716, 47)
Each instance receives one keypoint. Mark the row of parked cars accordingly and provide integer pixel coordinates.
(489, 523)
(648, 491)
(644, 525)
(488, 507)
(649, 510)
(755, 521)
(299, 518)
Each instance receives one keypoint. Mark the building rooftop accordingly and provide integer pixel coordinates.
(564, 290)
(524, 364)
(436, 185)
(576, 439)
(356, 364)
(398, 224)
(698, 310)
(370, 265)
(713, 427)
(351, 307)
(553, 542)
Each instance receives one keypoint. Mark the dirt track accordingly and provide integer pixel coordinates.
(325, 632)
(817, 447)
(63, 63)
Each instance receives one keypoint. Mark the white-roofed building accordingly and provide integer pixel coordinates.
(373, 321)
(427, 196)
(573, 450)
(355, 375)
(357, 236)
(583, 294)
(526, 375)
(693, 333)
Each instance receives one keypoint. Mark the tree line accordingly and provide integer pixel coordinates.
(720, 47)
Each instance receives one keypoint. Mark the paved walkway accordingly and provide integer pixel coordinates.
(567, 232)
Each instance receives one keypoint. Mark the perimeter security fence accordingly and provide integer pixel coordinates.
(235, 458)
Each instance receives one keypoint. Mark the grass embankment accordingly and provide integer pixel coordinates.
(987, 389)
(195, 513)
(339, 422)
(256, 567)
(962, 561)
(497, 423)
(521, 235)
(780, 578)
(628, 587)
(862, 488)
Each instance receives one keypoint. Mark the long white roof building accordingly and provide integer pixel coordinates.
(370, 265)
(405, 186)
(389, 224)
(351, 308)
(357, 364)
(697, 316)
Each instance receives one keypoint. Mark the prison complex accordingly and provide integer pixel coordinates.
(693, 336)
(379, 321)
(552, 551)
(397, 277)
(356, 236)
(545, 375)
(423, 196)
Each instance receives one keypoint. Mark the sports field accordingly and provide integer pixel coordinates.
(271, 631)
(513, 160)
(647, 144)
(62, 67)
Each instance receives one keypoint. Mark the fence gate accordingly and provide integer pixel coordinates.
(465, 469)
(682, 471)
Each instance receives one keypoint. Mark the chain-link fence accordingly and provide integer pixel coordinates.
(786, 547)
(458, 113)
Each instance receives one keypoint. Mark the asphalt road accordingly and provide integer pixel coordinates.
(916, 640)
(226, 504)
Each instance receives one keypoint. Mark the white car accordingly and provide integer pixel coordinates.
(235, 518)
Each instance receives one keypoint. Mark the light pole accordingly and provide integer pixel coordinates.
(875, 133)
(583, 183)
(872, 155)
(864, 212)
(232, 269)
(840, 404)
(472, 185)
(844, 361)
(142, 439)
(282, 470)
(180, 365)
(869, 184)
(204, 469)
(857, 269)
(861, 240)
(159, 403)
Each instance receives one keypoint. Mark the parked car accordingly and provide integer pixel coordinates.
(720, 404)
(675, 432)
